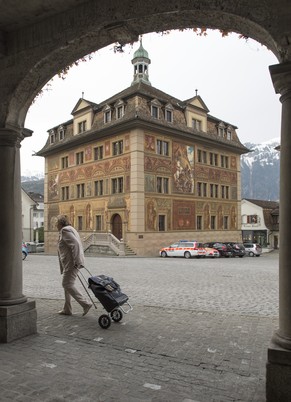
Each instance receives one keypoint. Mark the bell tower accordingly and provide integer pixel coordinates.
(141, 64)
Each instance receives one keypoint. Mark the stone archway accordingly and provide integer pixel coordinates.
(36, 45)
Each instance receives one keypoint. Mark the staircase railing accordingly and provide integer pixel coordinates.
(104, 239)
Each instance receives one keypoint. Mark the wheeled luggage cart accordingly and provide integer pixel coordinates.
(109, 294)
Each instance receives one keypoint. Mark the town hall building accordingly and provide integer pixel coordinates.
(146, 168)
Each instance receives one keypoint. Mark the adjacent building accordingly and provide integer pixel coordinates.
(260, 222)
(28, 206)
(144, 166)
(32, 215)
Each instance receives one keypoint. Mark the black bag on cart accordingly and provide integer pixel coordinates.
(107, 291)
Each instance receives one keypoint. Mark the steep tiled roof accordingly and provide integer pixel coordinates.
(143, 89)
(264, 204)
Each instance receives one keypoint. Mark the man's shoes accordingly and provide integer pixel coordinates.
(62, 312)
(86, 309)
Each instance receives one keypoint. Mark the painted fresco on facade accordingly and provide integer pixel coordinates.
(219, 218)
(88, 172)
(89, 189)
(206, 217)
(233, 216)
(151, 215)
(153, 164)
(64, 177)
(127, 183)
(216, 175)
(149, 143)
(72, 215)
(183, 215)
(126, 143)
(88, 153)
(233, 162)
(53, 212)
(233, 193)
(107, 148)
(183, 168)
(72, 191)
(71, 158)
(89, 217)
(53, 163)
(53, 187)
(149, 183)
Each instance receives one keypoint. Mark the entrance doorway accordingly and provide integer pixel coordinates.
(276, 242)
(116, 226)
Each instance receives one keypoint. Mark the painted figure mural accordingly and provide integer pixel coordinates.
(53, 186)
(183, 168)
(89, 218)
(151, 215)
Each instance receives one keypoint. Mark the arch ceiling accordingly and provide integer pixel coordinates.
(40, 37)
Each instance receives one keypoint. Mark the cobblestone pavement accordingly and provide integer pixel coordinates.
(199, 332)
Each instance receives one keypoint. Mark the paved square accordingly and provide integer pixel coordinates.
(199, 331)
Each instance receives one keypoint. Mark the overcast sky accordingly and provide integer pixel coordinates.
(230, 74)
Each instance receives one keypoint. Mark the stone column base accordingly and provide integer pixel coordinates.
(278, 376)
(17, 321)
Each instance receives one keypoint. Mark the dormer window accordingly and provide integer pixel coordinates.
(221, 130)
(120, 112)
(82, 126)
(169, 113)
(119, 109)
(52, 137)
(61, 132)
(155, 108)
(196, 124)
(155, 112)
(107, 116)
(228, 134)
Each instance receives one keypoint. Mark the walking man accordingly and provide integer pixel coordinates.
(71, 258)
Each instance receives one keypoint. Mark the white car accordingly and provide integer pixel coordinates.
(253, 249)
(186, 249)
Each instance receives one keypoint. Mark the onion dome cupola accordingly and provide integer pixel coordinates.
(141, 64)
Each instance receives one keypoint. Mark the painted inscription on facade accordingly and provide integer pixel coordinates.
(183, 215)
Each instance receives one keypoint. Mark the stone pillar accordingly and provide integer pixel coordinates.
(17, 315)
(278, 381)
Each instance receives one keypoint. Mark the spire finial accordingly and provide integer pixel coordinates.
(196, 90)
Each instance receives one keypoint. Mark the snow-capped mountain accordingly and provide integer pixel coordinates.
(260, 171)
(29, 175)
(33, 182)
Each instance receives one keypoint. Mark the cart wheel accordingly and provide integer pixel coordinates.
(116, 315)
(104, 321)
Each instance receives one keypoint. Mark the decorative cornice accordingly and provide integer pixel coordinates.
(281, 77)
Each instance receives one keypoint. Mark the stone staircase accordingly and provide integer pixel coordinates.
(128, 251)
(105, 244)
